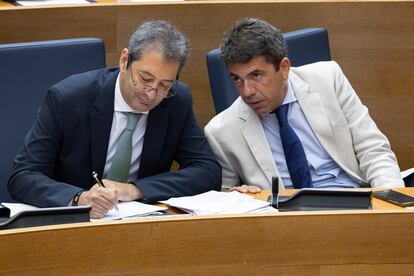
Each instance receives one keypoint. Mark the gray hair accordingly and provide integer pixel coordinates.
(251, 37)
(161, 36)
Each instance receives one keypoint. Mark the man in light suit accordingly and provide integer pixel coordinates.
(325, 138)
(79, 127)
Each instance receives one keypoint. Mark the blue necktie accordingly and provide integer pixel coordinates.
(295, 155)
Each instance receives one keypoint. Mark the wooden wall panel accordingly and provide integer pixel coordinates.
(373, 41)
(48, 23)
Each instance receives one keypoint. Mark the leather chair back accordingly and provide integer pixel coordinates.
(27, 70)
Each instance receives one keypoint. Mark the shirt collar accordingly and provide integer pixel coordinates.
(290, 95)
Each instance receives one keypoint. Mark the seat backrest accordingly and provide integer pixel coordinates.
(305, 46)
(27, 70)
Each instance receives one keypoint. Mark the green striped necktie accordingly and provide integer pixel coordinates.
(121, 161)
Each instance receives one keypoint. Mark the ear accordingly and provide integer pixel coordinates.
(123, 60)
(285, 67)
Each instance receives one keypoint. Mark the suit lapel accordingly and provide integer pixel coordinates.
(101, 121)
(256, 140)
(154, 140)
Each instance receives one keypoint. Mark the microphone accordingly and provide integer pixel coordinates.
(275, 192)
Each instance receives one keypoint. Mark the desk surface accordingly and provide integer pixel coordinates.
(301, 243)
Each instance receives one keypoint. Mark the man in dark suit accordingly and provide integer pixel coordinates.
(84, 118)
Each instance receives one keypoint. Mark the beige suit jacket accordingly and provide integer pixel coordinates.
(339, 120)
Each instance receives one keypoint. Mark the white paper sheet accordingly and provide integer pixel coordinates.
(35, 3)
(149, 1)
(130, 209)
(407, 172)
(126, 209)
(214, 202)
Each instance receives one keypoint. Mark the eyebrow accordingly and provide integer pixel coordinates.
(249, 74)
(234, 75)
(255, 71)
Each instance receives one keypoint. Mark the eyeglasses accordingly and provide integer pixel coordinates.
(162, 90)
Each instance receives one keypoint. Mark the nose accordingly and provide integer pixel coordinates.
(249, 90)
(151, 93)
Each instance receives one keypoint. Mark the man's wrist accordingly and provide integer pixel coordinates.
(134, 192)
(75, 200)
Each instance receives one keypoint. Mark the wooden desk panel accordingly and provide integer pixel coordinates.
(373, 42)
(299, 243)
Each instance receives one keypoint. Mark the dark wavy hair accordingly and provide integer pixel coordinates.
(251, 37)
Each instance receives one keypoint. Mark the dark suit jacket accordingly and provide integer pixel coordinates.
(70, 137)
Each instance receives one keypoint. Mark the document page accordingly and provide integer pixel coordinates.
(214, 202)
(126, 209)
(130, 209)
(35, 3)
(407, 172)
(149, 1)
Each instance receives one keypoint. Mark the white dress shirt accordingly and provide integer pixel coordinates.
(324, 171)
(119, 123)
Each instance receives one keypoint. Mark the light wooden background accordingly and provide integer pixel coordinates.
(373, 41)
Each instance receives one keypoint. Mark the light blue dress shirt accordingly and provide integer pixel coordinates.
(324, 171)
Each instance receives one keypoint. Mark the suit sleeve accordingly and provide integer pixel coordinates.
(199, 171)
(31, 180)
(372, 149)
(230, 177)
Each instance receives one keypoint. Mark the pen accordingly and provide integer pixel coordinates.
(100, 183)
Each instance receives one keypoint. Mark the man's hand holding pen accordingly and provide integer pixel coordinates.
(106, 194)
(101, 200)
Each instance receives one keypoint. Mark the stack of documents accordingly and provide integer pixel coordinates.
(126, 210)
(131, 209)
(31, 3)
(149, 1)
(214, 202)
